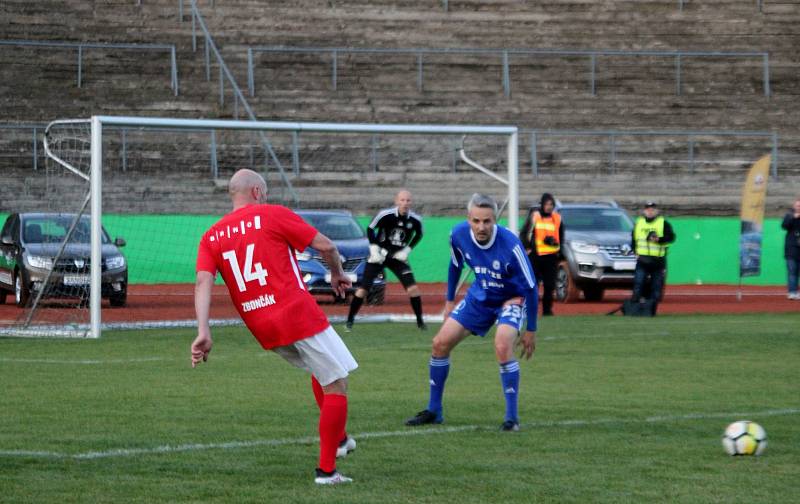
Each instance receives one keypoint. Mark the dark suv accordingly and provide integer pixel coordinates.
(30, 241)
(346, 233)
(597, 253)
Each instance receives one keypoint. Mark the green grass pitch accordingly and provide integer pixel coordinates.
(613, 410)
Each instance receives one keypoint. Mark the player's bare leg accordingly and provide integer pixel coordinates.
(449, 336)
(504, 340)
(332, 422)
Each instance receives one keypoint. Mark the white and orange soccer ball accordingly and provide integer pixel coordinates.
(744, 438)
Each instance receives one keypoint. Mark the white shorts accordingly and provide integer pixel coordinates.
(324, 355)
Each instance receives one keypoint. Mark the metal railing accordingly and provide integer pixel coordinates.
(691, 136)
(225, 75)
(759, 5)
(35, 131)
(80, 47)
(504, 55)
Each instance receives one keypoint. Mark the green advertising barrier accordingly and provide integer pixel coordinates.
(162, 248)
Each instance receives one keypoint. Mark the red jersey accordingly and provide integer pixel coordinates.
(253, 249)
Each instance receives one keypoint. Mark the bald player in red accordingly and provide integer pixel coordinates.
(253, 247)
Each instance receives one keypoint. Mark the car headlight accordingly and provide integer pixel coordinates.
(584, 247)
(41, 262)
(302, 256)
(115, 262)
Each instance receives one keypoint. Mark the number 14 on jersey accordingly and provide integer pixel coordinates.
(252, 272)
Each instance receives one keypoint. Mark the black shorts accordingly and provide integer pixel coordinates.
(400, 269)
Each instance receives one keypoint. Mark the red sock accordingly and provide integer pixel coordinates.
(332, 420)
(319, 395)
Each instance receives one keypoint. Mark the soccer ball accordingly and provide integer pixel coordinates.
(744, 438)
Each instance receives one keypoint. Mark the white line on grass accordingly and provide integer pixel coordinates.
(87, 362)
(233, 445)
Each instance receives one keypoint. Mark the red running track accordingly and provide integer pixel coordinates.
(175, 302)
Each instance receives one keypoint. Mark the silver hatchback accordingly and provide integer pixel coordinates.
(597, 252)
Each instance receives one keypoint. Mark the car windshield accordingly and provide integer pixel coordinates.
(53, 229)
(335, 227)
(596, 219)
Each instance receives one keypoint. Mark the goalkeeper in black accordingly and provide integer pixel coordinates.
(392, 234)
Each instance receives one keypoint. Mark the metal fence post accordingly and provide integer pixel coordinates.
(775, 155)
(455, 153)
(678, 74)
(180, 11)
(250, 78)
(194, 31)
(767, 90)
(534, 155)
(35, 151)
(334, 63)
(174, 70)
(419, 72)
(221, 86)
(691, 154)
(207, 59)
(235, 106)
(374, 153)
(296, 153)
(446, 5)
(80, 64)
(680, 5)
(506, 76)
(612, 153)
(124, 139)
(214, 167)
(760, 5)
(592, 82)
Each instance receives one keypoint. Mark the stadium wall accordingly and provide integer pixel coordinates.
(707, 250)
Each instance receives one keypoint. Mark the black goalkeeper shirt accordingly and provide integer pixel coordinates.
(393, 231)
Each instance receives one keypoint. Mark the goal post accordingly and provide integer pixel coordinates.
(102, 129)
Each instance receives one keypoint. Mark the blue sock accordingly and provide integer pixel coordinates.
(509, 378)
(439, 368)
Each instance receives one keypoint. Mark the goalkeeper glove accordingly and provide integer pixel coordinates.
(376, 254)
(402, 254)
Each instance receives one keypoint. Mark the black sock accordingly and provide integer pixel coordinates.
(355, 304)
(416, 304)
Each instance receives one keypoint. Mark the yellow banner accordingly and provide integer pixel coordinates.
(754, 195)
(754, 192)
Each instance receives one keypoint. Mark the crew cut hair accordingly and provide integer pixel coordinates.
(481, 200)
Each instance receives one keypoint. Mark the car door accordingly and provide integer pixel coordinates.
(8, 252)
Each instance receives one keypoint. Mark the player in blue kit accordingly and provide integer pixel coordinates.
(503, 290)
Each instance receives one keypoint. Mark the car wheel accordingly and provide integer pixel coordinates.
(566, 290)
(22, 291)
(593, 293)
(119, 300)
(377, 295)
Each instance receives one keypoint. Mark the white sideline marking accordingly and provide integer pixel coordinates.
(232, 445)
(82, 361)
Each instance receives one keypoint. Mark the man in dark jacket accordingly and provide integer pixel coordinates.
(791, 248)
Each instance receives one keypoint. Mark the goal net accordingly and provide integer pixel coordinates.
(125, 200)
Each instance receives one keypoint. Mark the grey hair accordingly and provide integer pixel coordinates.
(482, 201)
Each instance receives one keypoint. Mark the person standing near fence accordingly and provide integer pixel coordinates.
(651, 237)
(542, 234)
(791, 249)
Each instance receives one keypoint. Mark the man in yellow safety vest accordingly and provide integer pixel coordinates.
(651, 237)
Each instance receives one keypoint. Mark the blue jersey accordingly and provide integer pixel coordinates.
(502, 269)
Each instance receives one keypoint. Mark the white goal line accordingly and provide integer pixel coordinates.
(234, 445)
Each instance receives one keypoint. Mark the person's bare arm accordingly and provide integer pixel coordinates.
(339, 282)
(201, 346)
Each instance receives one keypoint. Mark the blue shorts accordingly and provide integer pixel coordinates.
(478, 318)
